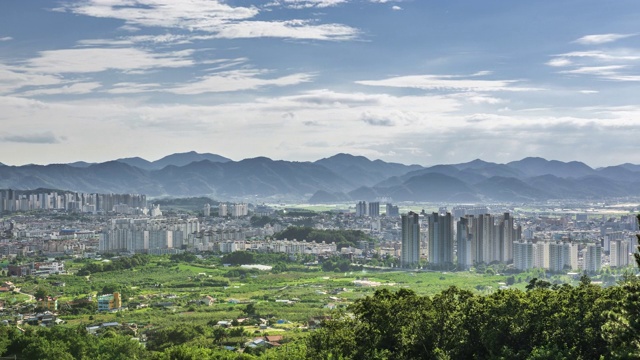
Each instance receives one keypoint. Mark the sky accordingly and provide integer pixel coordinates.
(410, 81)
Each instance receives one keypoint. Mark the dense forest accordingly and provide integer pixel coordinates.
(545, 322)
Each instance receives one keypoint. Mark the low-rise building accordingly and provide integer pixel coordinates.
(109, 302)
(48, 303)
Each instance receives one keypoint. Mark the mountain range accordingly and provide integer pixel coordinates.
(339, 178)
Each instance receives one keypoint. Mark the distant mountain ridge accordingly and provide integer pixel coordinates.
(339, 178)
(179, 159)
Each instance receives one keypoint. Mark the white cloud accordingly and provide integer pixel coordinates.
(212, 16)
(72, 89)
(607, 64)
(609, 55)
(6, 38)
(185, 14)
(104, 42)
(13, 79)
(624, 78)
(479, 99)
(396, 8)
(481, 73)
(559, 62)
(132, 88)
(601, 38)
(425, 123)
(306, 4)
(446, 82)
(223, 81)
(129, 28)
(596, 70)
(294, 29)
(236, 80)
(589, 91)
(88, 60)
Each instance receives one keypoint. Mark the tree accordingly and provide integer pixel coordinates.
(218, 334)
(250, 309)
(41, 294)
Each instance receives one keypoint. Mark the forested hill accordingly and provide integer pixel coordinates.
(583, 322)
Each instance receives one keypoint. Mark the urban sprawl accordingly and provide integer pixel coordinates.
(455, 238)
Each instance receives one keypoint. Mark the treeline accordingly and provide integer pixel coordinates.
(182, 342)
(342, 238)
(121, 263)
(190, 202)
(545, 322)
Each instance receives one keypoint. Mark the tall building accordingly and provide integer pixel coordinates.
(463, 244)
(223, 210)
(507, 233)
(440, 239)
(556, 257)
(238, 210)
(619, 253)
(570, 254)
(361, 209)
(523, 255)
(374, 209)
(482, 232)
(392, 210)
(611, 236)
(410, 239)
(541, 255)
(492, 238)
(206, 210)
(592, 258)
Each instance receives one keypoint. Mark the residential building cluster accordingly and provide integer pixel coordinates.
(465, 236)
(19, 200)
(163, 236)
(145, 235)
(36, 268)
(372, 209)
(487, 239)
(233, 209)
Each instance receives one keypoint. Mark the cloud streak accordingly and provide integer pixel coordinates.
(307, 4)
(237, 80)
(72, 89)
(601, 38)
(214, 17)
(447, 83)
(92, 60)
(35, 138)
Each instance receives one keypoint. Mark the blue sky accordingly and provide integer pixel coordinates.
(409, 81)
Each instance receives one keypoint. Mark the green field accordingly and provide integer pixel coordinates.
(309, 291)
(164, 294)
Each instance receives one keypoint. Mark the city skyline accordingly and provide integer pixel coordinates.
(402, 81)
